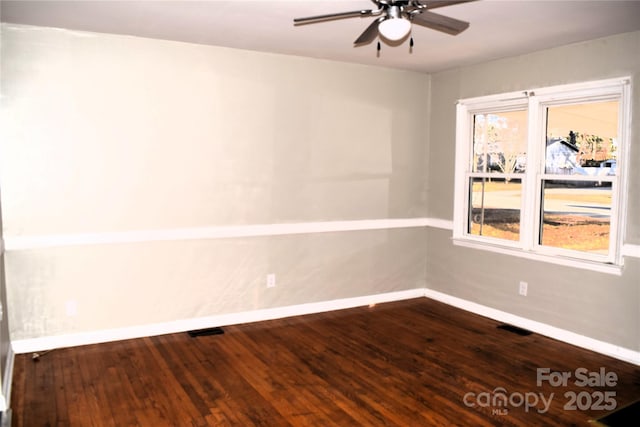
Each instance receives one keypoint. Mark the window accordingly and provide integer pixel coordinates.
(541, 173)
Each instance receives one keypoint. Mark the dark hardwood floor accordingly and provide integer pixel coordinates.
(408, 363)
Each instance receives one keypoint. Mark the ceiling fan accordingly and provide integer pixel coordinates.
(395, 18)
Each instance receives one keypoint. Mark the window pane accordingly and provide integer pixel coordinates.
(500, 142)
(576, 215)
(582, 139)
(495, 208)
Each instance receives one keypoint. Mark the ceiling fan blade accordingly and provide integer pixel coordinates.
(331, 16)
(370, 33)
(433, 4)
(441, 23)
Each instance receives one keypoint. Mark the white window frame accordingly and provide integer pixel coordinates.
(535, 102)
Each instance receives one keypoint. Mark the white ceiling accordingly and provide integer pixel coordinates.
(499, 28)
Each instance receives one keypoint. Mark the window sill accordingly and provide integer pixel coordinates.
(559, 260)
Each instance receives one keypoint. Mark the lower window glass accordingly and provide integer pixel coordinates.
(495, 208)
(576, 215)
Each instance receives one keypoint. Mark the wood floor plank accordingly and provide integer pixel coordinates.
(414, 362)
(311, 390)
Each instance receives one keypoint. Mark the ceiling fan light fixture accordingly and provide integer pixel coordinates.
(394, 29)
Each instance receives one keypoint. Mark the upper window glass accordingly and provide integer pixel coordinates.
(500, 142)
(582, 137)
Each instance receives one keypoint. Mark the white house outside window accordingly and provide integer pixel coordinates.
(541, 173)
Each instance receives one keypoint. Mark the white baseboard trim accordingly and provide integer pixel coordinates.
(96, 337)
(563, 335)
(7, 380)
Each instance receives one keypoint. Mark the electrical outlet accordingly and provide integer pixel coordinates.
(271, 280)
(523, 288)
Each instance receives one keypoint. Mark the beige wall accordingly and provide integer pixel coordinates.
(106, 134)
(129, 133)
(110, 134)
(600, 306)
